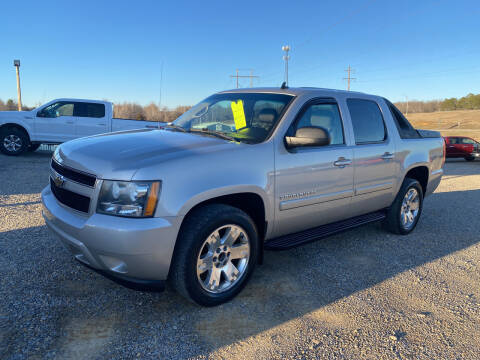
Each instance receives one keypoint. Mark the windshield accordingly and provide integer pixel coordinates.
(244, 117)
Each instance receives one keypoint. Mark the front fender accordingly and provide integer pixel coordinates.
(23, 121)
(227, 190)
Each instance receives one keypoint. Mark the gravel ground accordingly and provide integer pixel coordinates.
(363, 294)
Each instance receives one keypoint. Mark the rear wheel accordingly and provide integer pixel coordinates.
(403, 215)
(13, 141)
(215, 255)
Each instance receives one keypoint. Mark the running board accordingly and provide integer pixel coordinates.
(306, 236)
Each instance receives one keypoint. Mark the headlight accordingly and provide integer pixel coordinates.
(128, 198)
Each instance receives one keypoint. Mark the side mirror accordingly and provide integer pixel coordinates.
(308, 136)
(40, 113)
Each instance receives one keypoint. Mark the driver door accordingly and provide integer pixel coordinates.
(55, 123)
(314, 185)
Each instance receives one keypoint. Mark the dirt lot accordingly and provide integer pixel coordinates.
(449, 123)
(363, 294)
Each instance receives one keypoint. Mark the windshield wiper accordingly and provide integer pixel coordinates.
(214, 133)
(175, 127)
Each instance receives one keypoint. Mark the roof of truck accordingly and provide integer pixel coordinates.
(292, 90)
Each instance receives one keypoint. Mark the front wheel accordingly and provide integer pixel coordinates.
(403, 215)
(470, 158)
(215, 255)
(13, 141)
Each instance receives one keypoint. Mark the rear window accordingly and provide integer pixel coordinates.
(405, 129)
(367, 121)
(92, 110)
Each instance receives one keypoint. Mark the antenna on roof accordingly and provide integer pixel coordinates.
(284, 85)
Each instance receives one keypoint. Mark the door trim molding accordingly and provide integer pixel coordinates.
(312, 200)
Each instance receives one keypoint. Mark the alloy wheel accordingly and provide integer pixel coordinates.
(12, 143)
(223, 258)
(410, 208)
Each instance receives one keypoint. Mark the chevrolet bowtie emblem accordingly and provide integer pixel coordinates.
(58, 180)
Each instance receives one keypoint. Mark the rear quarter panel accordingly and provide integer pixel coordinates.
(426, 152)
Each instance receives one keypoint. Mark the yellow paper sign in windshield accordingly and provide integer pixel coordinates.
(238, 114)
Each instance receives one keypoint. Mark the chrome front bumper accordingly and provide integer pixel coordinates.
(127, 247)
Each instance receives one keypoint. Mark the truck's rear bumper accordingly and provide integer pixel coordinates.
(136, 250)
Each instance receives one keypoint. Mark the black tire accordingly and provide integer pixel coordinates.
(470, 158)
(393, 222)
(6, 134)
(33, 147)
(194, 231)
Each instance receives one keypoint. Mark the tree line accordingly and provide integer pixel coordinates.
(469, 102)
(11, 105)
(126, 110)
(152, 112)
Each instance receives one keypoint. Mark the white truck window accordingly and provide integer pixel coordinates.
(92, 110)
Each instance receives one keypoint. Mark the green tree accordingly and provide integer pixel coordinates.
(11, 105)
(448, 104)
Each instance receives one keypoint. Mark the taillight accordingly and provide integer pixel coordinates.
(444, 152)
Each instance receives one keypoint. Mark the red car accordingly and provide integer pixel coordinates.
(462, 146)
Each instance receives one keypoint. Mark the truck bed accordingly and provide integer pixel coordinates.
(120, 124)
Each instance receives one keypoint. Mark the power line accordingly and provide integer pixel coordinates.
(251, 77)
(349, 78)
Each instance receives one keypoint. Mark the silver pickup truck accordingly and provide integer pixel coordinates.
(197, 202)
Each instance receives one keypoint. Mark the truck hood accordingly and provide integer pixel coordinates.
(15, 114)
(119, 155)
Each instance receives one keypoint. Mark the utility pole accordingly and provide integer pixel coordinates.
(251, 76)
(286, 57)
(349, 77)
(162, 117)
(16, 63)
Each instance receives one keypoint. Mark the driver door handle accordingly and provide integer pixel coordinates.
(342, 162)
(388, 156)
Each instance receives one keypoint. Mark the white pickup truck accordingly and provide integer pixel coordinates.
(58, 121)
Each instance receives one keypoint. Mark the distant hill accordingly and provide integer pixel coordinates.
(469, 102)
(457, 122)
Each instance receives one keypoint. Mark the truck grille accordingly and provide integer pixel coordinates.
(74, 175)
(70, 199)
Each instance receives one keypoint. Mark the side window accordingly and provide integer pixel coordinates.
(467, 141)
(324, 115)
(367, 121)
(405, 129)
(92, 110)
(56, 110)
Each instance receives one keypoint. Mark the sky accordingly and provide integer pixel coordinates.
(179, 52)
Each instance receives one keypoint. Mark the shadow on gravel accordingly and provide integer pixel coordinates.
(27, 172)
(78, 309)
(461, 167)
(21, 204)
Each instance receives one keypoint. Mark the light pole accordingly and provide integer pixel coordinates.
(16, 63)
(286, 57)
